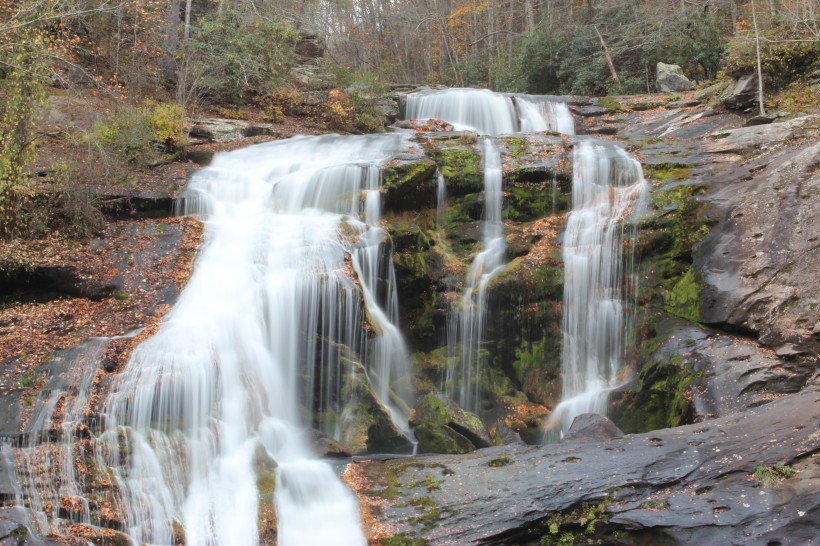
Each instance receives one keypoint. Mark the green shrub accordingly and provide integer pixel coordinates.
(234, 56)
(137, 133)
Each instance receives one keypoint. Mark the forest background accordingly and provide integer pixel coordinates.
(148, 67)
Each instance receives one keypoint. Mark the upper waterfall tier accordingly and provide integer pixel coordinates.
(490, 113)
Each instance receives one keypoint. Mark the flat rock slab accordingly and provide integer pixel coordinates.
(686, 485)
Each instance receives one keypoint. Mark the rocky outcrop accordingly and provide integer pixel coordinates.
(441, 426)
(741, 93)
(696, 484)
(592, 427)
(366, 425)
(226, 130)
(670, 78)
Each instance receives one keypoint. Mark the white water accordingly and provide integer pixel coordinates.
(608, 186)
(293, 285)
(467, 324)
(489, 113)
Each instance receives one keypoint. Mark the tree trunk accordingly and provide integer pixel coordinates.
(759, 64)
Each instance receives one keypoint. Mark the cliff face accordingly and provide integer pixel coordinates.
(726, 336)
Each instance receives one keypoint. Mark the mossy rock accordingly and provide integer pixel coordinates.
(461, 169)
(442, 439)
(442, 424)
(409, 185)
(659, 397)
(366, 425)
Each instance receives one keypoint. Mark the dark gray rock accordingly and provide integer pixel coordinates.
(741, 93)
(592, 427)
(688, 485)
(670, 78)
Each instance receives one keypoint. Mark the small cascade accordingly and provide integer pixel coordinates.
(441, 197)
(467, 322)
(608, 186)
(542, 114)
(487, 113)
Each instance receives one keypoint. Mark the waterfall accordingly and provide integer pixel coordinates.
(487, 113)
(608, 186)
(292, 287)
(468, 321)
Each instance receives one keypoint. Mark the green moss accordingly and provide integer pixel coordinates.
(610, 104)
(503, 460)
(667, 171)
(441, 439)
(770, 475)
(662, 398)
(527, 203)
(519, 147)
(575, 525)
(683, 299)
(461, 169)
(655, 505)
(404, 540)
(409, 186)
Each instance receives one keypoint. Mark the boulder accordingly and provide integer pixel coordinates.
(226, 130)
(708, 93)
(441, 426)
(670, 78)
(592, 427)
(741, 93)
(365, 422)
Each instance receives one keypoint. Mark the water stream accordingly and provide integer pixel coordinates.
(293, 293)
(608, 186)
(486, 113)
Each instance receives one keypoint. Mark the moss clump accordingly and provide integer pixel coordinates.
(498, 462)
(524, 204)
(519, 147)
(404, 540)
(409, 186)
(770, 475)
(668, 171)
(563, 528)
(683, 299)
(461, 170)
(655, 505)
(610, 104)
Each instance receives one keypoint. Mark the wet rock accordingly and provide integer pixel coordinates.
(366, 425)
(759, 261)
(741, 93)
(441, 426)
(136, 205)
(761, 137)
(688, 485)
(588, 110)
(409, 185)
(592, 427)
(670, 78)
(762, 120)
(682, 104)
(327, 447)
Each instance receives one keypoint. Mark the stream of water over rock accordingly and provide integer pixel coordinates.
(291, 305)
(486, 113)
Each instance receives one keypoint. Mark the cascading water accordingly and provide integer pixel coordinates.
(487, 113)
(608, 186)
(467, 324)
(291, 289)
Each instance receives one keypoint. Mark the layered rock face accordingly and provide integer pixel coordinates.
(723, 348)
